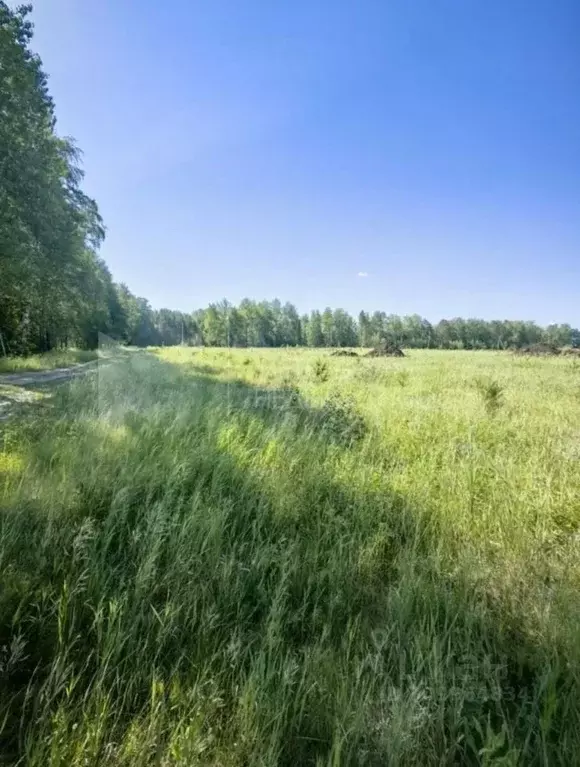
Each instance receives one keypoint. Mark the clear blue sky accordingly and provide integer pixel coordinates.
(277, 149)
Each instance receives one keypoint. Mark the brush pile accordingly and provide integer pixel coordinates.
(385, 349)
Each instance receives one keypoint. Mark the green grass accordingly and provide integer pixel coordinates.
(229, 558)
(39, 362)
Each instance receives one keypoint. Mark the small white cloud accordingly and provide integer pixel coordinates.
(363, 274)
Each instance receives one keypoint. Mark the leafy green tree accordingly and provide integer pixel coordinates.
(327, 324)
(364, 330)
(559, 335)
(49, 229)
(344, 329)
(378, 327)
(214, 327)
(427, 334)
(290, 326)
(314, 334)
(173, 327)
(394, 329)
(410, 331)
(236, 327)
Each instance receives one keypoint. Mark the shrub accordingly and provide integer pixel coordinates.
(341, 420)
(491, 392)
(290, 393)
(403, 378)
(321, 371)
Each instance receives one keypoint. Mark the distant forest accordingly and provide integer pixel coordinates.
(56, 291)
(270, 323)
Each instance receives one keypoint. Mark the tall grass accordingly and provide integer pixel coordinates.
(200, 568)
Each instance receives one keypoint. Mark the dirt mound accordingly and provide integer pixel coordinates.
(571, 351)
(385, 349)
(539, 350)
(343, 353)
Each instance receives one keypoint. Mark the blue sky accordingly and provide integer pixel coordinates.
(262, 149)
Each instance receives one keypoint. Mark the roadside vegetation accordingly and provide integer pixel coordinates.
(235, 557)
(61, 358)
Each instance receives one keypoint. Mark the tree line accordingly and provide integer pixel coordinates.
(55, 289)
(271, 323)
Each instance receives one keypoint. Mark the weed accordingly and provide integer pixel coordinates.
(341, 420)
(402, 378)
(320, 371)
(291, 392)
(491, 392)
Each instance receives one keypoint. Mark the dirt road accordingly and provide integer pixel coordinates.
(20, 389)
(32, 377)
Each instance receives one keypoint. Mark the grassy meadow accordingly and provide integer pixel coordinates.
(239, 558)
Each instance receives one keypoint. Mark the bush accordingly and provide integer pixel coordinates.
(341, 420)
(320, 371)
(403, 378)
(491, 392)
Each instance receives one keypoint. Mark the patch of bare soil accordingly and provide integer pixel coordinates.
(13, 398)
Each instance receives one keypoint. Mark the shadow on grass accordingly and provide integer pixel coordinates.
(320, 599)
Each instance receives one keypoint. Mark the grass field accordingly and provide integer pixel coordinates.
(273, 557)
